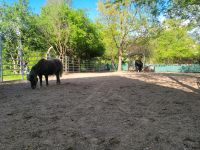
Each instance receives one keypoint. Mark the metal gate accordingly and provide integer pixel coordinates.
(18, 69)
(77, 65)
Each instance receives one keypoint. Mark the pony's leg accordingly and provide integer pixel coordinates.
(46, 77)
(40, 76)
(58, 78)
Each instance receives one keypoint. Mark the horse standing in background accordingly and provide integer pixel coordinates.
(138, 65)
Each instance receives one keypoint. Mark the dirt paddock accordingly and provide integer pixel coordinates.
(102, 111)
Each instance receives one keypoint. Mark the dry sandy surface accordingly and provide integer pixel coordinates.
(102, 111)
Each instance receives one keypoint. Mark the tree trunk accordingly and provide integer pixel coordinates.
(62, 57)
(113, 65)
(120, 60)
(112, 61)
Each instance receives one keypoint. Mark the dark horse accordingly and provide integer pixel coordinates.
(138, 65)
(46, 68)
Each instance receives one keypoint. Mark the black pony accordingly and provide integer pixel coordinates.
(46, 68)
(138, 65)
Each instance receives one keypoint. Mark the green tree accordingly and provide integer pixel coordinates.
(70, 32)
(17, 18)
(123, 21)
(111, 49)
(185, 9)
(174, 45)
(55, 2)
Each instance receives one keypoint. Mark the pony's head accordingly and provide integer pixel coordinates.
(32, 77)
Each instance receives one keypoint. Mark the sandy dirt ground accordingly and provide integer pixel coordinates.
(102, 111)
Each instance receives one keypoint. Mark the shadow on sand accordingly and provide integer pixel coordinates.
(99, 113)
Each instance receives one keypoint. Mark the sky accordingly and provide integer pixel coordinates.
(88, 5)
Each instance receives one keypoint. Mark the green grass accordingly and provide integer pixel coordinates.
(13, 77)
(9, 75)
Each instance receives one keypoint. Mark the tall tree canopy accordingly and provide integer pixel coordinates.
(70, 32)
(18, 23)
(121, 23)
(125, 20)
(174, 45)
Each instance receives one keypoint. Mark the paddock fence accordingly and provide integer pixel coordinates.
(159, 68)
(184, 68)
(73, 65)
(17, 68)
